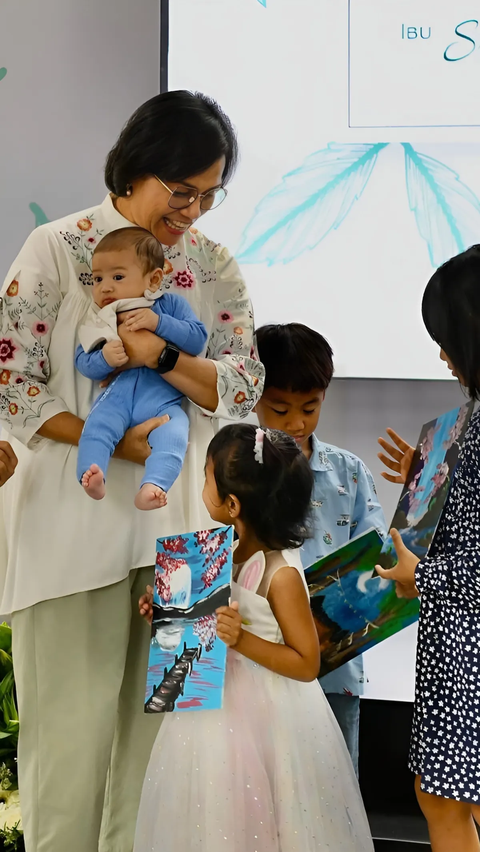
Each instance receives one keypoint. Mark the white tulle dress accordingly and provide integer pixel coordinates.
(269, 772)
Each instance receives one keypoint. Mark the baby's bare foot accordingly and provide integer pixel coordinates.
(94, 482)
(150, 497)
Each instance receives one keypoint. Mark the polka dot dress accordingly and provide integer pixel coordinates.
(445, 747)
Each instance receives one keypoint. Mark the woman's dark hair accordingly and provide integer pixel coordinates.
(274, 496)
(175, 136)
(451, 313)
(296, 358)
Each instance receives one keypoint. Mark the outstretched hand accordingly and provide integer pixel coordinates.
(397, 458)
(403, 573)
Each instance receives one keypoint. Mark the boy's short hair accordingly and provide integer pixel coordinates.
(148, 250)
(296, 358)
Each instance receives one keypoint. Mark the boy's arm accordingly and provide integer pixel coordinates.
(92, 365)
(367, 512)
(179, 324)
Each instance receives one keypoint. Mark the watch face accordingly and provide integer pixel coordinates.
(168, 359)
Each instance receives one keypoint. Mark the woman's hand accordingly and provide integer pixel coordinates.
(145, 605)
(142, 347)
(134, 445)
(229, 624)
(403, 573)
(399, 457)
(141, 318)
(8, 462)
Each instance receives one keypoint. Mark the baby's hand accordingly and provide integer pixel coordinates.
(145, 605)
(229, 624)
(143, 318)
(114, 353)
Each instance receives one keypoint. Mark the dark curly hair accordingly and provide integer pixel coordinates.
(275, 495)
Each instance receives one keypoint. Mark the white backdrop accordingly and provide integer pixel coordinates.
(348, 241)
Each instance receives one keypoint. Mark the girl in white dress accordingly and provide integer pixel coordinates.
(270, 771)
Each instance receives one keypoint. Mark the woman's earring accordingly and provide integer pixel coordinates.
(129, 189)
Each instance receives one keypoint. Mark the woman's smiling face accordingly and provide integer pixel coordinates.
(148, 205)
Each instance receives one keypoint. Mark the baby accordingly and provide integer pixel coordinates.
(127, 268)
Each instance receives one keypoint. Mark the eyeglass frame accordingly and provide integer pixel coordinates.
(198, 195)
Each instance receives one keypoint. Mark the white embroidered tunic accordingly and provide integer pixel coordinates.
(57, 541)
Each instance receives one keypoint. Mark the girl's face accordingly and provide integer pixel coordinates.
(223, 512)
(148, 205)
(444, 357)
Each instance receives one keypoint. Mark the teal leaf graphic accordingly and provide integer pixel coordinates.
(3, 73)
(310, 202)
(263, 2)
(446, 211)
(40, 217)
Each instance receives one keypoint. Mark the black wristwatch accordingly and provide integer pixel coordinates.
(168, 359)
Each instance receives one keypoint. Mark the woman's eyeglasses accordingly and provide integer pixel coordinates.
(183, 196)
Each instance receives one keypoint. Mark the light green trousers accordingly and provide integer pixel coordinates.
(80, 669)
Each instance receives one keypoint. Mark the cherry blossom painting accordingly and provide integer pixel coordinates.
(186, 666)
(423, 497)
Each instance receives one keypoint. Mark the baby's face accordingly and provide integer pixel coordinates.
(117, 275)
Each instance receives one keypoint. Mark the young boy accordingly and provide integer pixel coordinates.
(298, 369)
(127, 270)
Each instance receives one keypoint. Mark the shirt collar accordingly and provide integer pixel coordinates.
(319, 459)
(112, 217)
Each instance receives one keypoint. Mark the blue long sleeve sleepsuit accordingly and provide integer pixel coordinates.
(136, 395)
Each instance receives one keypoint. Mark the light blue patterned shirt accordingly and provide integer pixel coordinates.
(344, 505)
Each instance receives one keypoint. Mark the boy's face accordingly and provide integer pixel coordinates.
(118, 275)
(295, 413)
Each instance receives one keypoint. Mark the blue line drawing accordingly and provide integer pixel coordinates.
(446, 211)
(40, 217)
(311, 201)
(314, 199)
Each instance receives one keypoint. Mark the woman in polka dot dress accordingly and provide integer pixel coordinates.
(445, 747)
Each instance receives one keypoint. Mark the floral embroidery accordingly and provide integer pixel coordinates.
(184, 279)
(227, 352)
(13, 289)
(7, 350)
(33, 391)
(225, 316)
(240, 397)
(84, 224)
(5, 377)
(238, 330)
(82, 247)
(167, 267)
(39, 329)
(13, 408)
(85, 278)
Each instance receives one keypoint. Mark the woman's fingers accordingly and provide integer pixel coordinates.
(394, 456)
(398, 480)
(398, 440)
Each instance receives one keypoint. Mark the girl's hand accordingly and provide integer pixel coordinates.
(141, 318)
(134, 445)
(403, 573)
(229, 624)
(145, 605)
(8, 462)
(114, 353)
(399, 457)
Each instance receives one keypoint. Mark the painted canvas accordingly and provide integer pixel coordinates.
(186, 667)
(423, 497)
(353, 607)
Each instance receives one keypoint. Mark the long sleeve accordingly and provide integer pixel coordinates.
(455, 577)
(92, 364)
(30, 302)
(367, 512)
(178, 324)
(240, 376)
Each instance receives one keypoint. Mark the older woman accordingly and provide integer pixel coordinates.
(74, 566)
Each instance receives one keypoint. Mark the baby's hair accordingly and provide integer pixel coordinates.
(274, 495)
(296, 358)
(147, 248)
